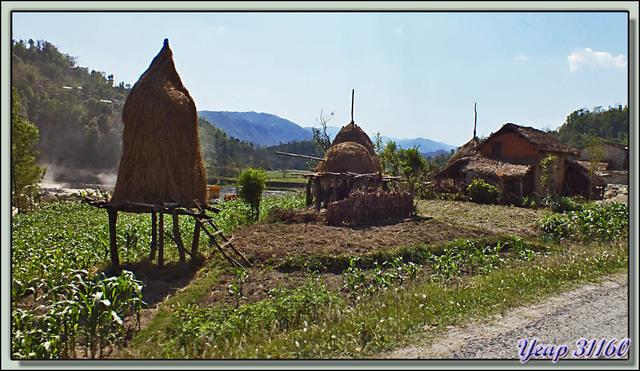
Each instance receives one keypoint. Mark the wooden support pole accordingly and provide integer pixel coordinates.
(177, 237)
(196, 240)
(115, 260)
(161, 240)
(308, 193)
(318, 193)
(154, 235)
(335, 189)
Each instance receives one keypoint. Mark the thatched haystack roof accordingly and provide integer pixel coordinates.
(468, 149)
(349, 157)
(484, 166)
(161, 159)
(540, 140)
(353, 133)
(599, 166)
(578, 173)
(497, 169)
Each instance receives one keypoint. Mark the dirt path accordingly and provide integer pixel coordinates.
(593, 311)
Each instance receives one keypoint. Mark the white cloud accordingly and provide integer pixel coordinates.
(522, 57)
(399, 30)
(587, 58)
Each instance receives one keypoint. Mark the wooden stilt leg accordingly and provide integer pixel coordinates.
(161, 240)
(318, 193)
(309, 194)
(177, 237)
(154, 235)
(115, 260)
(196, 240)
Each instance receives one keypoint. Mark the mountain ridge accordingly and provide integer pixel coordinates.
(266, 129)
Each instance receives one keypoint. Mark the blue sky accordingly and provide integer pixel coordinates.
(415, 74)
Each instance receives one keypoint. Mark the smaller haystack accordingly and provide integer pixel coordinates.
(161, 159)
(349, 157)
(354, 133)
(351, 151)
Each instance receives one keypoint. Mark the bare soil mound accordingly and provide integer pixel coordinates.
(275, 241)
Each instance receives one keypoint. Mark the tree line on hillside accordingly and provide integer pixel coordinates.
(584, 127)
(77, 112)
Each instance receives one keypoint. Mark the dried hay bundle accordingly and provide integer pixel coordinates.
(290, 216)
(362, 207)
(353, 133)
(349, 157)
(161, 159)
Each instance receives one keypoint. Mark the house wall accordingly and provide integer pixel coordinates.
(611, 154)
(558, 174)
(513, 147)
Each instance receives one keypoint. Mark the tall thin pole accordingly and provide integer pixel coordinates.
(475, 119)
(352, 93)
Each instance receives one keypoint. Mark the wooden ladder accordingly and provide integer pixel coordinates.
(204, 221)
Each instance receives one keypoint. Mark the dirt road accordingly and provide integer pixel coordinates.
(593, 311)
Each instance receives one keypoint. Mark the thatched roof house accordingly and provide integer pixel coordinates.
(161, 159)
(510, 158)
(514, 141)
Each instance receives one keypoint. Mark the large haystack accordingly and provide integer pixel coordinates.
(161, 159)
(349, 157)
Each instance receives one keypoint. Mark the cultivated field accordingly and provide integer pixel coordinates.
(314, 291)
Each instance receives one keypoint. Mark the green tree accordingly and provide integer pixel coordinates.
(251, 183)
(391, 157)
(25, 172)
(415, 169)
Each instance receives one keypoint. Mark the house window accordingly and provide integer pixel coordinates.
(496, 149)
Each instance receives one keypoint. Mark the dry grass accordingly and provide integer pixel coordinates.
(493, 219)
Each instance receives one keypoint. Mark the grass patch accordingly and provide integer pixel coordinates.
(342, 329)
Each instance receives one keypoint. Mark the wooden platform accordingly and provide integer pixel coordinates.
(203, 222)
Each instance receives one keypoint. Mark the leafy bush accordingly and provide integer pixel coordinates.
(482, 192)
(528, 202)
(251, 183)
(561, 204)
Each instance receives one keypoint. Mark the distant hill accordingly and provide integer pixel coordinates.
(427, 147)
(261, 129)
(265, 129)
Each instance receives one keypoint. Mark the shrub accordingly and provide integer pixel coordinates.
(481, 192)
(528, 202)
(251, 183)
(560, 204)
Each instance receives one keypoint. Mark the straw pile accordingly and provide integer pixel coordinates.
(349, 157)
(353, 133)
(161, 159)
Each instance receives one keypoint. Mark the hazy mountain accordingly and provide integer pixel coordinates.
(261, 129)
(427, 147)
(264, 129)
